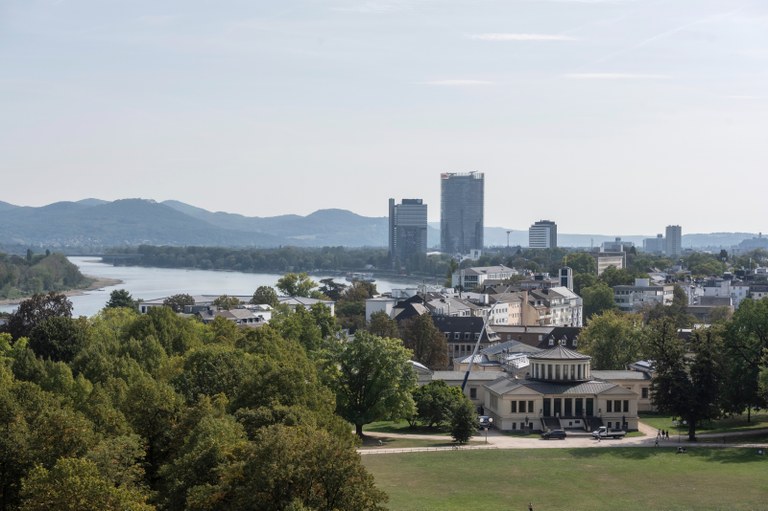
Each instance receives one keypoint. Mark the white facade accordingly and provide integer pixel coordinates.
(633, 298)
(736, 290)
(471, 278)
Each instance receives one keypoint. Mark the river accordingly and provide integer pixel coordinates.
(150, 283)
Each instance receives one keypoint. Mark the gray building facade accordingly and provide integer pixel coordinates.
(407, 231)
(462, 202)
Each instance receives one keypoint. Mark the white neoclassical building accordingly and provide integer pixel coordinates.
(559, 392)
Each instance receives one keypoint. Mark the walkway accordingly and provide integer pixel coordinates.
(497, 440)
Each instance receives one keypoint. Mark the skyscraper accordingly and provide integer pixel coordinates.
(674, 241)
(407, 231)
(543, 234)
(461, 212)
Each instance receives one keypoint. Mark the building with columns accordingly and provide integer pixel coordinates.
(559, 392)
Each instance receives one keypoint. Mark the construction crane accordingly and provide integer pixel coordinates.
(477, 346)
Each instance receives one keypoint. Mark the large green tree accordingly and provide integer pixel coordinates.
(746, 342)
(686, 387)
(428, 344)
(265, 295)
(613, 339)
(33, 311)
(436, 402)
(296, 284)
(375, 380)
(121, 298)
(597, 299)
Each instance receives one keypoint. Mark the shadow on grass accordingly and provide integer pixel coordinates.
(710, 454)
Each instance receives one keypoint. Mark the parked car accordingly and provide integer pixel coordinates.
(558, 434)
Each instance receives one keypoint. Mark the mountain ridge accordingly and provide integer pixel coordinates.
(95, 223)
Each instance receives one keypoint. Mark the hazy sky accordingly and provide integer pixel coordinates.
(606, 116)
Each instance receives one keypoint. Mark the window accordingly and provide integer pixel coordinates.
(644, 392)
(521, 406)
(530, 406)
(617, 406)
(626, 406)
(473, 392)
(513, 407)
(466, 336)
(456, 336)
(609, 409)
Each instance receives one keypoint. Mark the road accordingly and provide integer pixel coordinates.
(497, 440)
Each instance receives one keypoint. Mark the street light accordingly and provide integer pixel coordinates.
(490, 421)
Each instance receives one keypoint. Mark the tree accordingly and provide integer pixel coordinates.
(746, 339)
(613, 339)
(383, 326)
(226, 302)
(297, 467)
(59, 338)
(614, 277)
(428, 344)
(597, 299)
(463, 422)
(436, 402)
(121, 298)
(179, 302)
(687, 388)
(35, 310)
(375, 380)
(265, 295)
(77, 485)
(581, 263)
(296, 284)
(332, 289)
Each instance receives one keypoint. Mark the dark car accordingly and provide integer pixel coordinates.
(554, 433)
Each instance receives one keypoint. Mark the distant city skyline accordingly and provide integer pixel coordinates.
(608, 116)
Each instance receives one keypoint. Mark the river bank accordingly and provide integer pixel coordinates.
(96, 283)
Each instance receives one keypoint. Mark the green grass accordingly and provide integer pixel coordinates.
(725, 425)
(404, 428)
(611, 479)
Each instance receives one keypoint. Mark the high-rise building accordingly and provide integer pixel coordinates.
(407, 231)
(461, 212)
(674, 241)
(543, 234)
(655, 245)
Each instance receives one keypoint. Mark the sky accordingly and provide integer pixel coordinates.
(606, 116)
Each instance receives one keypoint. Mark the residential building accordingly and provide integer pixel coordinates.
(461, 212)
(674, 239)
(566, 277)
(606, 259)
(633, 298)
(736, 290)
(473, 278)
(461, 334)
(407, 232)
(543, 234)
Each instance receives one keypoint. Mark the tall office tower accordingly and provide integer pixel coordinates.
(461, 212)
(566, 277)
(543, 234)
(674, 241)
(407, 231)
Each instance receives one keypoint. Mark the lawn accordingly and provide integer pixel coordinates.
(725, 425)
(405, 428)
(623, 479)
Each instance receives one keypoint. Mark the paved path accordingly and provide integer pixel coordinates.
(496, 440)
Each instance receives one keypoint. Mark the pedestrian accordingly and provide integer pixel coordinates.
(530, 506)
(667, 433)
(656, 443)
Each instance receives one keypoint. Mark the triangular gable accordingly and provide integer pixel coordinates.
(617, 390)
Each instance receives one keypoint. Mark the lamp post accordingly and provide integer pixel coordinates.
(490, 421)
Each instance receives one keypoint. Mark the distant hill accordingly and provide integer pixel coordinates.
(90, 225)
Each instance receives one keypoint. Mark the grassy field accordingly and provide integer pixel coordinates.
(624, 479)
